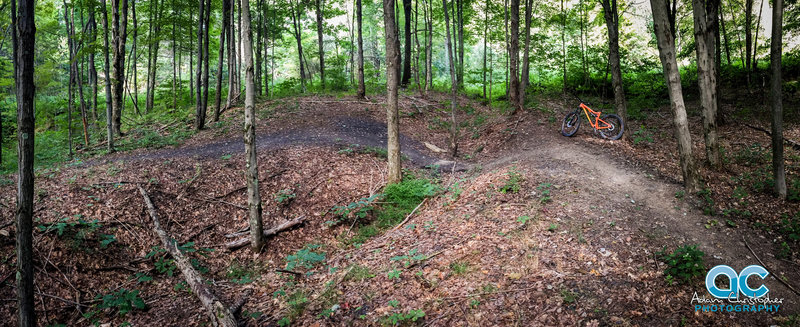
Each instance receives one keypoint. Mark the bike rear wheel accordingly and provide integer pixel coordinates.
(571, 124)
(615, 131)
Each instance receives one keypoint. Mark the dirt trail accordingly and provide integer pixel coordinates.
(339, 131)
(646, 206)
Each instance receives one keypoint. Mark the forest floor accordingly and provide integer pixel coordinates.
(527, 227)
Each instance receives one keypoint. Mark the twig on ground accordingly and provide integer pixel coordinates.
(410, 214)
(267, 233)
(767, 268)
(289, 272)
(209, 200)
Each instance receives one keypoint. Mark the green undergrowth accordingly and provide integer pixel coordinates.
(371, 217)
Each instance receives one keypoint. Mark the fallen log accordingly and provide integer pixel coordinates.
(267, 233)
(220, 314)
(794, 144)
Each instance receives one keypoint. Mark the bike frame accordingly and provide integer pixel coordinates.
(597, 121)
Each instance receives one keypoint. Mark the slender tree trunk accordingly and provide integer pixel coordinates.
(611, 15)
(429, 50)
(508, 45)
(320, 43)
(298, 38)
(725, 35)
(361, 93)
(258, 46)
(106, 71)
(251, 172)
(191, 57)
(174, 60)
(133, 59)
(416, 42)
(564, 45)
(485, 38)
(704, 13)
(200, 111)
(392, 80)
(583, 44)
(407, 45)
(155, 41)
(754, 66)
(120, 13)
(231, 55)
(460, 61)
(24, 51)
(224, 30)
(513, 49)
(491, 76)
(666, 49)
(776, 51)
(748, 38)
(525, 80)
(206, 30)
(454, 82)
(92, 61)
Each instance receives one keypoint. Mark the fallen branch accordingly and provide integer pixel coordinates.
(767, 268)
(237, 306)
(289, 272)
(267, 233)
(340, 101)
(219, 313)
(795, 145)
(245, 187)
(410, 214)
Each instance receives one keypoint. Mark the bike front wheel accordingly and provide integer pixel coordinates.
(617, 127)
(571, 124)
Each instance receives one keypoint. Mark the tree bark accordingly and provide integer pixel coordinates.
(666, 50)
(92, 61)
(704, 12)
(776, 51)
(120, 31)
(106, 71)
(513, 56)
(154, 45)
(200, 111)
(748, 38)
(206, 57)
(361, 92)
(251, 173)
(24, 51)
(224, 31)
(258, 46)
(392, 81)
(460, 24)
(320, 44)
(485, 38)
(298, 38)
(407, 44)
(429, 50)
(453, 83)
(525, 79)
(220, 314)
(725, 35)
(611, 14)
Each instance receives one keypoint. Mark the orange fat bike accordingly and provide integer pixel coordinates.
(609, 126)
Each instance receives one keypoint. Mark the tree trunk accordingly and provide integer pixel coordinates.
(754, 66)
(725, 35)
(223, 31)
(454, 82)
(778, 171)
(258, 46)
(361, 93)
(611, 15)
(154, 45)
(525, 79)
(298, 38)
(505, 9)
(564, 45)
(392, 81)
(174, 61)
(429, 50)
(416, 43)
(120, 30)
(485, 37)
(704, 13)
(106, 71)
(407, 45)
(200, 111)
(666, 50)
(251, 173)
(231, 55)
(320, 43)
(748, 38)
(513, 56)
(206, 29)
(460, 60)
(92, 61)
(24, 51)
